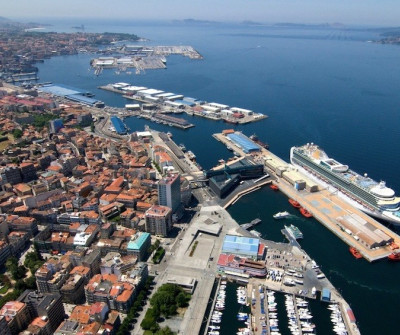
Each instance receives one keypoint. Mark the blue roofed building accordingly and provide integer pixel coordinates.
(243, 142)
(71, 93)
(118, 125)
(139, 244)
(326, 295)
(241, 246)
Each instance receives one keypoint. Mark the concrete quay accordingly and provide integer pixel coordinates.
(325, 206)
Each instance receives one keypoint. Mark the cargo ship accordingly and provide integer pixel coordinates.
(362, 192)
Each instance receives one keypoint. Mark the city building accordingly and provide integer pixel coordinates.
(118, 295)
(73, 289)
(240, 266)
(139, 245)
(17, 316)
(114, 263)
(11, 175)
(47, 306)
(241, 246)
(55, 125)
(4, 329)
(84, 119)
(5, 252)
(169, 191)
(158, 220)
(28, 172)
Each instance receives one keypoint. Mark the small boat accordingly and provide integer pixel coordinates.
(169, 134)
(355, 252)
(274, 187)
(294, 203)
(281, 215)
(395, 257)
(305, 212)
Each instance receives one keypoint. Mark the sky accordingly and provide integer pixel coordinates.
(366, 12)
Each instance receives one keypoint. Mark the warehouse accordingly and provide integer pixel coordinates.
(118, 125)
(243, 142)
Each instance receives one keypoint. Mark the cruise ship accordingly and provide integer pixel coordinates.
(366, 194)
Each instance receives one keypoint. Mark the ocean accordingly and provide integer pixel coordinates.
(322, 85)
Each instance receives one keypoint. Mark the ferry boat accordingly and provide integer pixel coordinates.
(281, 215)
(294, 231)
(294, 203)
(355, 252)
(274, 187)
(395, 256)
(305, 212)
(362, 192)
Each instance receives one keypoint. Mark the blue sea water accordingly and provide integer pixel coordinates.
(326, 86)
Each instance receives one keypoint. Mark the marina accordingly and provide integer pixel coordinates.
(273, 312)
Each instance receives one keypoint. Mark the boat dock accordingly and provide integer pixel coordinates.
(251, 224)
(165, 102)
(326, 206)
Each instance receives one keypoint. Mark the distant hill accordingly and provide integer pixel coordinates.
(306, 25)
(194, 21)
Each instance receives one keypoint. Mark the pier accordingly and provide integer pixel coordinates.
(251, 224)
(327, 207)
(177, 103)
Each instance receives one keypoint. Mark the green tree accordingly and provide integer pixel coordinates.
(181, 299)
(165, 331)
(147, 322)
(31, 283)
(17, 133)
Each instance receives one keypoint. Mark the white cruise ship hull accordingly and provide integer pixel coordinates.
(385, 216)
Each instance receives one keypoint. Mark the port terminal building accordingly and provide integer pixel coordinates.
(224, 179)
(72, 94)
(248, 247)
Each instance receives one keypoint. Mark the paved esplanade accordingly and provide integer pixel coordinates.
(199, 265)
